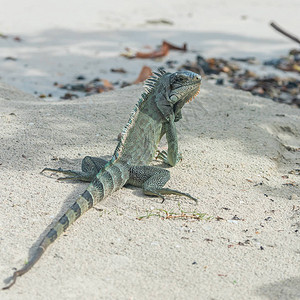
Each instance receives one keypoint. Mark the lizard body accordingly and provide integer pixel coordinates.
(154, 115)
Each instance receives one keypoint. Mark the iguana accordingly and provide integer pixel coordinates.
(155, 114)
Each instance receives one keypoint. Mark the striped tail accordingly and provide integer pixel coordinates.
(111, 178)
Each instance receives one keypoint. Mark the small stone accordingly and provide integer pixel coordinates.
(220, 81)
(80, 77)
(69, 96)
(10, 58)
(294, 197)
(118, 70)
(285, 97)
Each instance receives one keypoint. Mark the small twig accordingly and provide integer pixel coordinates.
(184, 216)
(292, 37)
(165, 215)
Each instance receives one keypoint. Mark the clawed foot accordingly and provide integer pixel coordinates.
(179, 194)
(163, 156)
(166, 191)
(74, 175)
(191, 197)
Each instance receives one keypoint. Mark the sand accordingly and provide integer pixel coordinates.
(240, 156)
(63, 39)
(237, 150)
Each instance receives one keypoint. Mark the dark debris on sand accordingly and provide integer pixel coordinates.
(280, 88)
(240, 73)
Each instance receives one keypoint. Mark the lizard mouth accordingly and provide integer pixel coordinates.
(195, 95)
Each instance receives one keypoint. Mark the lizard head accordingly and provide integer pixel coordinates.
(184, 87)
(172, 91)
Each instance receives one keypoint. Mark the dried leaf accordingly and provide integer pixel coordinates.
(173, 47)
(145, 73)
(107, 84)
(296, 67)
(163, 50)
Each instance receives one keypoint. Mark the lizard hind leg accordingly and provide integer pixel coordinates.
(73, 175)
(90, 168)
(166, 191)
(152, 180)
(92, 164)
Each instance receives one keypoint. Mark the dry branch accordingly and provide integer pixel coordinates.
(292, 37)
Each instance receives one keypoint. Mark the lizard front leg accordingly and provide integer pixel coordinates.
(90, 167)
(172, 156)
(152, 180)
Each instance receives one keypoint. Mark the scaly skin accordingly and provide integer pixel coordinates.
(154, 115)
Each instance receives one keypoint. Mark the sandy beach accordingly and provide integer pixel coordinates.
(61, 40)
(241, 158)
(239, 155)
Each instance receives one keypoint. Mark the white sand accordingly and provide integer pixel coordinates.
(237, 152)
(62, 39)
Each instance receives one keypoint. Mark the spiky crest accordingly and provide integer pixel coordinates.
(149, 86)
(151, 82)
